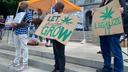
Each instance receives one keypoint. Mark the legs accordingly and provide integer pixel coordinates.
(56, 56)
(116, 50)
(111, 44)
(21, 55)
(18, 50)
(106, 53)
(59, 52)
(23, 41)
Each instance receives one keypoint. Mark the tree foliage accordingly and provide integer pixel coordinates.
(8, 7)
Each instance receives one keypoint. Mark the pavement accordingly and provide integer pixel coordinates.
(77, 50)
(80, 50)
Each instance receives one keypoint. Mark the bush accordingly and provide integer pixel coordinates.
(8, 8)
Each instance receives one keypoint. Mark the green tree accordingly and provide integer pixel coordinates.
(8, 7)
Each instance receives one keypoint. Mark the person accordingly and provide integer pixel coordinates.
(21, 31)
(111, 44)
(2, 25)
(59, 48)
(48, 42)
(38, 17)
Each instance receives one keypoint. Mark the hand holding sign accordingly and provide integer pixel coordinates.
(14, 25)
(121, 9)
(93, 11)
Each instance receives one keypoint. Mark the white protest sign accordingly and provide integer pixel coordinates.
(19, 17)
(9, 19)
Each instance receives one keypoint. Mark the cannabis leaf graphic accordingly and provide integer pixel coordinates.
(107, 14)
(66, 20)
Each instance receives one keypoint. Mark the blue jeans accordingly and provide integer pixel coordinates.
(111, 44)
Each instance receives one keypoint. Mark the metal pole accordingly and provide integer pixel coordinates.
(84, 41)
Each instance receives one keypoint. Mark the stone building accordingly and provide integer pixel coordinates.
(87, 5)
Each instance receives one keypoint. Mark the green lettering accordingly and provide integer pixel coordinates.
(64, 34)
(56, 31)
(113, 21)
(51, 29)
(119, 20)
(44, 30)
(108, 24)
(49, 19)
(57, 17)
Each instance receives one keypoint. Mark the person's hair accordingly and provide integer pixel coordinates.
(59, 6)
(39, 10)
(24, 2)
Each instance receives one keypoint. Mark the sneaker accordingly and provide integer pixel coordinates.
(55, 70)
(12, 64)
(23, 67)
(48, 45)
(99, 70)
(103, 70)
(99, 52)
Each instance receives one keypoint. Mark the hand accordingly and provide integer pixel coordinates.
(121, 9)
(14, 25)
(93, 11)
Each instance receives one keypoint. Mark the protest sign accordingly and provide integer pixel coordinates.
(107, 20)
(57, 27)
(9, 19)
(19, 17)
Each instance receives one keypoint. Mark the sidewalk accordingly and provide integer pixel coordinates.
(78, 50)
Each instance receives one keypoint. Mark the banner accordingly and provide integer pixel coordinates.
(57, 27)
(19, 17)
(107, 20)
(9, 20)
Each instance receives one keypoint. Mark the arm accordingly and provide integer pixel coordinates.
(122, 3)
(27, 19)
(123, 7)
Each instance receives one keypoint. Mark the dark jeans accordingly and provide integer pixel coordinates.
(59, 52)
(111, 44)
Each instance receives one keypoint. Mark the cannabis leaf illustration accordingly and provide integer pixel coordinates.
(107, 14)
(67, 20)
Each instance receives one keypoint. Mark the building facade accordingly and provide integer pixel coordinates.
(88, 5)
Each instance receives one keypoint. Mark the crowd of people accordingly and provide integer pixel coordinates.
(109, 44)
(26, 29)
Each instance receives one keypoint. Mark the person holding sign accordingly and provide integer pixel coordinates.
(111, 44)
(59, 48)
(21, 31)
(2, 25)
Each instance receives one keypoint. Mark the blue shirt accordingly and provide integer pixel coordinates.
(27, 18)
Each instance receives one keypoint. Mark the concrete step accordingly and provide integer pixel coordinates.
(78, 36)
(69, 59)
(73, 60)
(5, 68)
(46, 64)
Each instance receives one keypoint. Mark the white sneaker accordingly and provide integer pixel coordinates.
(23, 67)
(12, 64)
